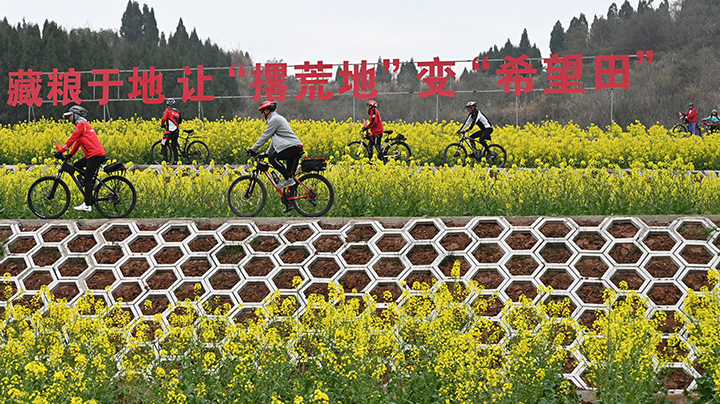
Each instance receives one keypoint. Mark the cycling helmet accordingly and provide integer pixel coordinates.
(372, 103)
(269, 105)
(170, 102)
(691, 105)
(471, 104)
(76, 110)
(714, 111)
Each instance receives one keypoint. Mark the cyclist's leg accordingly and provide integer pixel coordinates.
(93, 164)
(374, 143)
(174, 145)
(287, 155)
(164, 148)
(81, 164)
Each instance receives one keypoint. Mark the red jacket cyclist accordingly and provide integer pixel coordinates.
(375, 127)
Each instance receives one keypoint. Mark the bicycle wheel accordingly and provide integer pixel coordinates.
(357, 150)
(315, 195)
(115, 197)
(679, 130)
(498, 156)
(247, 196)
(699, 130)
(399, 151)
(198, 152)
(48, 197)
(156, 154)
(455, 155)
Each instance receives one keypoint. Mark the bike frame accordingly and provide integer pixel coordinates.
(66, 167)
(467, 140)
(280, 191)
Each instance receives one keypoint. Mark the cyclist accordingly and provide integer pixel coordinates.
(375, 127)
(284, 144)
(691, 117)
(475, 117)
(84, 136)
(171, 121)
(713, 121)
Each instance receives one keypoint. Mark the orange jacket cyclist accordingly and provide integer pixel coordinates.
(375, 127)
(84, 137)
(171, 121)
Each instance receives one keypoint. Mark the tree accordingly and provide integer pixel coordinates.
(150, 29)
(131, 28)
(577, 35)
(612, 13)
(626, 11)
(407, 77)
(557, 38)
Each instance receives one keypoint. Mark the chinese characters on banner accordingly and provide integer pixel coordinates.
(29, 87)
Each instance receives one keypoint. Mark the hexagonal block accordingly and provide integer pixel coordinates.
(358, 255)
(424, 231)
(447, 264)
(259, 266)
(109, 255)
(488, 229)
(488, 305)
(161, 280)
(54, 234)
(230, 254)
(285, 278)
(202, 244)
(677, 379)
(360, 233)
(73, 267)
(195, 267)
(420, 280)
(12, 266)
(422, 254)
(294, 255)
(264, 243)
(21, 245)
(696, 254)
(587, 318)
(488, 253)
(589, 241)
(224, 279)
(591, 292)
(388, 267)
(558, 279)
(176, 234)
(153, 304)
(81, 243)
(328, 243)
(661, 267)
(253, 292)
(237, 233)
(46, 256)
(455, 241)
(391, 243)
(694, 231)
(168, 255)
(521, 240)
(99, 280)
(670, 324)
(633, 280)
(555, 229)
(561, 305)
(489, 278)
(134, 267)
(591, 267)
(622, 229)
(189, 291)
(323, 268)
(695, 280)
(127, 291)
(317, 288)
(116, 233)
(520, 288)
(556, 253)
(659, 241)
(65, 291)
(36, 279)
(386, 292)
(625, 253)
(143, 244)
(354, 281)
(220, 304)
(665, 294)
(519, 265)
(298, 233)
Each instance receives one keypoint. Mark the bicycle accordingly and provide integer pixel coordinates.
(392, 147)
(194, 150)
(681, 129)
(311, 196)
(114, 196)
(456, 154)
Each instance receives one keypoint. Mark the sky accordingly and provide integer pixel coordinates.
(333, 31)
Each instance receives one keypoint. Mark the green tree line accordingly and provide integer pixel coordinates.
(681, 33)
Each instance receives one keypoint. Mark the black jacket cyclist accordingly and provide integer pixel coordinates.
(475, 117)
